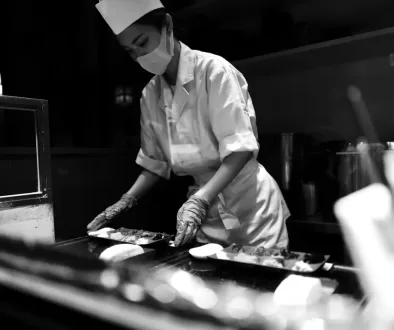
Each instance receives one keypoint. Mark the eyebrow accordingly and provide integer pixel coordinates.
(135, 40)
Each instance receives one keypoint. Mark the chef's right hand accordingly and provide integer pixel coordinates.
(112, 212)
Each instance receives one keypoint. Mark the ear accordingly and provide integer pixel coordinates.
(169, 23)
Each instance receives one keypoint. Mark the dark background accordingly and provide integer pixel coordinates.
(65, 53)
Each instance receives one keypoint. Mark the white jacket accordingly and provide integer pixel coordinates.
(191, 130)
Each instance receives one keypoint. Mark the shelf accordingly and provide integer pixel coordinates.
(337, 51)
(63, 151)
(316, 225)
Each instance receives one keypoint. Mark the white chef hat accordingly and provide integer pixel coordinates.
(119, 14)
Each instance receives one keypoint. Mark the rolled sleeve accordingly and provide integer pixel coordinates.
(229, 115)
(151, 156)
(236, 143)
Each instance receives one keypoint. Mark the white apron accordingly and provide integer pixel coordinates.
(191, 131)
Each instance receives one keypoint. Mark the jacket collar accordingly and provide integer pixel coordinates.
(175, 103)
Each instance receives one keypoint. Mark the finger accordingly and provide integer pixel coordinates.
(179, 238)
(189, 233)
(98, 222)
(181, 230)
(113, 211)
(188, 239)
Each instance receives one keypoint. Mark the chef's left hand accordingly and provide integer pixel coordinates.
(189, 219)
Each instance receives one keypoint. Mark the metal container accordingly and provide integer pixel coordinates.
(309, 191)
(353, 174)
(286, 157)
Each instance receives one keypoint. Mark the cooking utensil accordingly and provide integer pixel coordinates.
(375, 173)
(362, 114)
(309, 190)
(287, 140)
(378, 174)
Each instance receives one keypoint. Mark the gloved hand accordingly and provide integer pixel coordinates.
(189, 219)
(110, 213)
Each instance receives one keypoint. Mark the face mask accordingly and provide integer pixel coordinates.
(156, 62)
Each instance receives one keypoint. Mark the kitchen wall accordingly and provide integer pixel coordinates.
(85, 182)
(33, 222)
(304, 90)
(295, 91)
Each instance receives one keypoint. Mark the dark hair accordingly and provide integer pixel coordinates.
(157, 17)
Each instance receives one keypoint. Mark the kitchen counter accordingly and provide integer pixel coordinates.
(66, 286)
(248, 276)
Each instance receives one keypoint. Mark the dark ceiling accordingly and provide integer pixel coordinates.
(239, 29)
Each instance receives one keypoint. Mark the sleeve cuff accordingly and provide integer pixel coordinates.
(237, 143)
(158, 167)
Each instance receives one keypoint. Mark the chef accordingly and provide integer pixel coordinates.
(197, 119)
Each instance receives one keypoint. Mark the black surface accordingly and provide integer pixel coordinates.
(251, 277)
(24, 311)
(28, 312)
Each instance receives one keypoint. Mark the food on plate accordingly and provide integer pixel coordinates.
(157, 237)
(202, 252)
(272, 262)
(288, 255)
(262, 252)
(120, 252)
(116, 236)
(275, 258)
(301, 266)
(133, 236)
(222, 255)
(142, 241)
(280, 259)
(258, 251)
(129, 239)
(313, 258)
(243, 257)
(237, 248)
(103, 232)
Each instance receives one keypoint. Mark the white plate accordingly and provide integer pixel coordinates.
(121, 252)
(103, 232)
(202, 252)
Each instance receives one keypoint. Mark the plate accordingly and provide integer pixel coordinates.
(202, 252)
(274, 259)
(132, 236)
(120, 252)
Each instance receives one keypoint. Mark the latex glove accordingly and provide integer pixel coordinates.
(110, 213)
(189, 219)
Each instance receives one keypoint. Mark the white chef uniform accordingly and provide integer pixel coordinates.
(191, 131)
(191, 127)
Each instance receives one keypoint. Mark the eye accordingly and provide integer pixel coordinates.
(143, 43)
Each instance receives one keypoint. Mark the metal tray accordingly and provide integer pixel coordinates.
(139, 233)
(250, 256)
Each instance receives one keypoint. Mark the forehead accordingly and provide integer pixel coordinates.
(133, 32)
